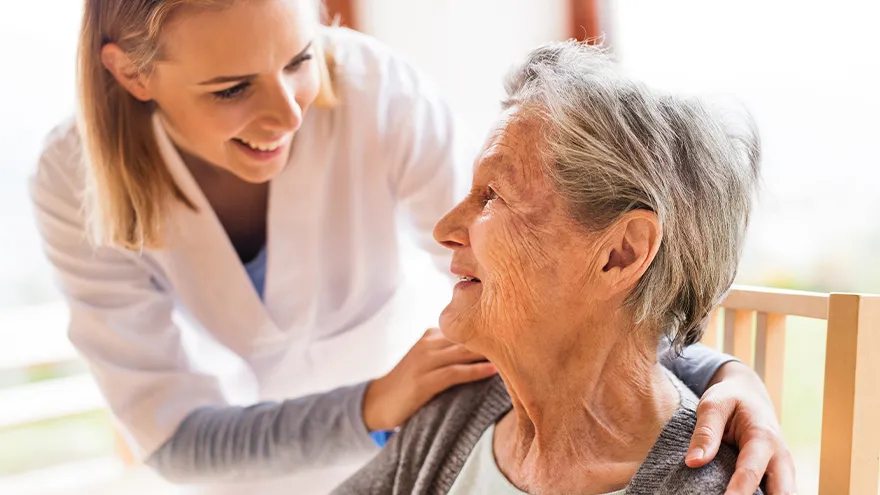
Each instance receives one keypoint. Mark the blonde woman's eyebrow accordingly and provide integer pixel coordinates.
(248, 77)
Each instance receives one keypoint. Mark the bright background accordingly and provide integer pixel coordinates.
(808, 71)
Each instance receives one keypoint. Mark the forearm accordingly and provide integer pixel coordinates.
(267, 439)
(698, 366)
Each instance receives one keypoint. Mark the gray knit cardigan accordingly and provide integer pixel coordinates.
(427, 454)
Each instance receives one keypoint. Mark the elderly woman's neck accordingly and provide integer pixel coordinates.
(605, 389)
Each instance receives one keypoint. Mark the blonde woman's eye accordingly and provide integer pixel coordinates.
(296, 65)
(231, 93)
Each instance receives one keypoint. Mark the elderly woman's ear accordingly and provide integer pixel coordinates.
(629, 248)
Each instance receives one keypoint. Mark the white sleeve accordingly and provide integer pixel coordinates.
(120, 321)
(433, 155)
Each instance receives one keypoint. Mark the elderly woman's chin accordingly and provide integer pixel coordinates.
(458, 319)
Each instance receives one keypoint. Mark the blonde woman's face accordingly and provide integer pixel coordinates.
(234, 84)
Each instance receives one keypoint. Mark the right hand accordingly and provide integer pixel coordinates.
(432, 365)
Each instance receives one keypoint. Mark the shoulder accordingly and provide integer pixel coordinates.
(392, 110)
(361, 63)
(451, 415)
(665, 472)
(709, 479)
(62, 143)
(454, 408)
(60, 165)
(431, 447)
(378, 87)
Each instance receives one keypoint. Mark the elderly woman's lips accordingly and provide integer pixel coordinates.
(465, 282)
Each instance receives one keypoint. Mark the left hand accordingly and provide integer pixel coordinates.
(737, 399)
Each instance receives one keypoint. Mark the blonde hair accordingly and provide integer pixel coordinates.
(129, 186)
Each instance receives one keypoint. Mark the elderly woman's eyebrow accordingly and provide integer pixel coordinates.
(502, 167)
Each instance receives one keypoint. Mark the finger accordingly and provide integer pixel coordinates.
(455, 354)
(781, 476)
(751, 465)
(434, 339)
(456, 374)
(712, 415)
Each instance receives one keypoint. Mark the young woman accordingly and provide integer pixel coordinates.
(237, 163)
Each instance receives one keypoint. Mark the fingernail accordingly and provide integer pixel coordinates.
(694, 455)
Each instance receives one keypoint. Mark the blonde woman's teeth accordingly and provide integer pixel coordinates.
(264, 146)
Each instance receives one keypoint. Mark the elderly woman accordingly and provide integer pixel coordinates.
(603, 218)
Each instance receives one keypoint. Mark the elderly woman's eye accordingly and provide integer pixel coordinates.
(490, 195)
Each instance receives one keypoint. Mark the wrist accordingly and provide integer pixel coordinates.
(372, 409)
(729, 371)
(737, 372)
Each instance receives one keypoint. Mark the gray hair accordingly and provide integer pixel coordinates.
(613, 145)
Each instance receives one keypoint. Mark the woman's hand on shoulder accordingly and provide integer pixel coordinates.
(737, 410)
(433, 365)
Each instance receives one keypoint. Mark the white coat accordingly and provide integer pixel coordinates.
(332, 269)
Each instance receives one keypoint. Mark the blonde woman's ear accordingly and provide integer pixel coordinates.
(117, 62)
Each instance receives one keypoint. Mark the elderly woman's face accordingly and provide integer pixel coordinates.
(523, 257)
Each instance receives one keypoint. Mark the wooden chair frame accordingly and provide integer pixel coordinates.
(754, 322)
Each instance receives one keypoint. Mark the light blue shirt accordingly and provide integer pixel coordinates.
(256, 270)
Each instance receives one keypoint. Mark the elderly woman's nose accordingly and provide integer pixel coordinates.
(451, 230)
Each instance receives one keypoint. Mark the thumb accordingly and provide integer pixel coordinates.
(711, 418)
